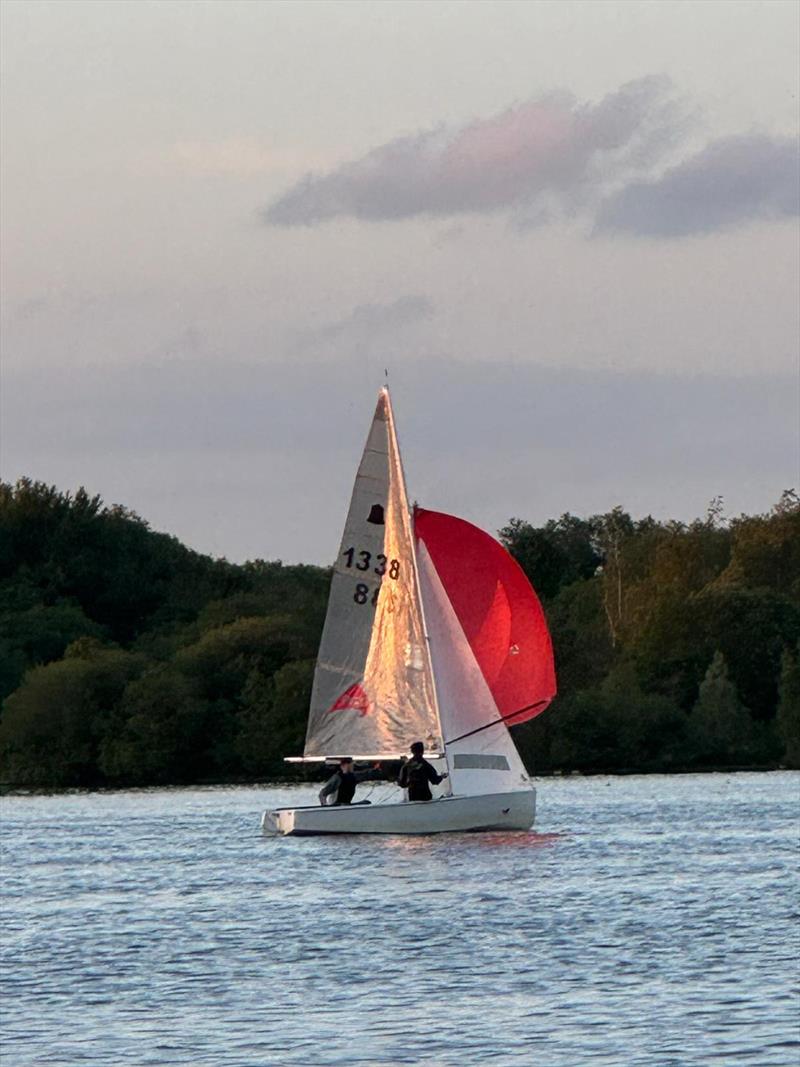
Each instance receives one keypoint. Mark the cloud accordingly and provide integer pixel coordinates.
(732, 180)
(368, 320)
(544, 155)
(257, 459)
(376, 333)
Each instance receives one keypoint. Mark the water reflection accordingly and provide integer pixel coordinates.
(454, 842)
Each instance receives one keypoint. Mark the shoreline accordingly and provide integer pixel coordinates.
(8, 790)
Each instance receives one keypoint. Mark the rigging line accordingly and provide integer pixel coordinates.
(494, 722)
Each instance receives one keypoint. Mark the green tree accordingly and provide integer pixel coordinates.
(614, 531)
(751, 627)
(581, 641)
(210, 677)
(105, 559)
(222, 659)
(161, 732)
(788, 717)
(273, 721)
(650, 728)
(38, 635)
(766, 549)
(720, 728)
(616, 726)
(542, 559)
(556, 554)
(54, 725)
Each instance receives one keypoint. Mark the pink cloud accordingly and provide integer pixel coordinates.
(548, 147)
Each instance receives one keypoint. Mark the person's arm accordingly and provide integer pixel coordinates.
(402, 777)
(433, 777)
(330, 788)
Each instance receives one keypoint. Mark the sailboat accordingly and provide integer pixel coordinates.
(433, 633)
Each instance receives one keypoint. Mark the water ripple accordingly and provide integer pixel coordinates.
(649, 922)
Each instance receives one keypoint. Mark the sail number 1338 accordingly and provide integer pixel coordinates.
(361, 560)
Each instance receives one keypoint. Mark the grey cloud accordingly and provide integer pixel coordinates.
(538, 156)
(732, 180)
(369, 318)
(257, 459)
(373, 333)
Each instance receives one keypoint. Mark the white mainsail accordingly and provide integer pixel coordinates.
(373, 690)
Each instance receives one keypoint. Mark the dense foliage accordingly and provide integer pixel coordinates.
(676, 645)
(126, 658)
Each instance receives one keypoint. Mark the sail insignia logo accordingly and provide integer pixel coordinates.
(352, 699)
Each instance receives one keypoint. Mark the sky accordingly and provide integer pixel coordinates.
(568, 231)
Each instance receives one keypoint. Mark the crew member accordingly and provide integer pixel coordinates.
(340, 788)
(417, 775)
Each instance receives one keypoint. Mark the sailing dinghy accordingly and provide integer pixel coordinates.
(433, 633)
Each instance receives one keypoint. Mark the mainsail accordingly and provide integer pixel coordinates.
(373, 688)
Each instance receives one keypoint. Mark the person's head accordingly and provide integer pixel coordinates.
(346, 764)
(417, 749)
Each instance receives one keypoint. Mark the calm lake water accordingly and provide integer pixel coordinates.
(650, 921)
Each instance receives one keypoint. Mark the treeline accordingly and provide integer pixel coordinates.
(676, 645)
(127, 659)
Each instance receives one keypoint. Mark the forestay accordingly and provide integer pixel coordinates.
(373, 689)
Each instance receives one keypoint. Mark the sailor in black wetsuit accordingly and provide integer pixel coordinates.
(340, 788)
(417, 775)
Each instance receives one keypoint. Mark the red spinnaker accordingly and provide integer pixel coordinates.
(498, 610)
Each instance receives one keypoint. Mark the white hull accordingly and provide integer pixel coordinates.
(493, 811)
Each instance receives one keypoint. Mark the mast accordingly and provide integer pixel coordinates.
(415, 568)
